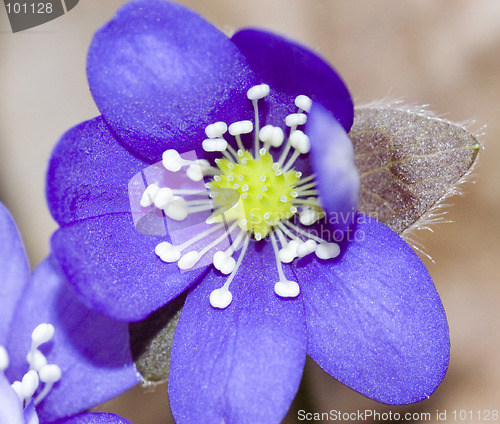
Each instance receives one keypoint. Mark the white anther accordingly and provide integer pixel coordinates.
(50, 373)
(17, 386)
(300, 141)
(4, 359)
(221, 298)
(265, 133)
(164, 196)
(216, 129)
(36, 359)
(306, 248)
(176, 209)
(194, 172)
(214, 145)
(241, 127)
(258, 92)
(296, 119)
(41, 334)
(308, 216)
(149, 194)
(289, 252)
(303, 102)
(224, 263)
(172, 160)
(327, 250)
(287, 288)
(29, 383)
(277, 137)
(188, 260)
(167, 252)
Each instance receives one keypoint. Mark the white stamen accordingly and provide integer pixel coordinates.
(29, 383)
(172, 160)
(300, 141)
(306, 248)
(303, 102)
(194, 172)
(167, 252)
(4, 359)
(149, 195)
(176, 209)
(36, 359)
(289, 252)
(163, 197)
(17, 386)
(308, 216)
(49, 374)
(284, 287)
(258, 92)
(221, 298)
(224, 263)
(295, 119)
(240, 127)
(327, 250)
(41, 334)
(188, 260)
(214, 145)
(216, 129)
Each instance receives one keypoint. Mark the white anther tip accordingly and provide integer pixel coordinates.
(223, 262)
(163, 197)
(296, 119)
(221, 298)
(36, 359)
(300, 141)
(4, 359)
(287, 288)
(167, 252)
(29, 383)
(194, 173)
(50, 373)
(214, 145)
(171, 160)
(303, 102)
(216, 129)
(149, 195)
(258, 92)
(188, 260)
(327, 250)
(42, 334)
(241, 127)
(286, 255)
(306, 248)
(176, 209)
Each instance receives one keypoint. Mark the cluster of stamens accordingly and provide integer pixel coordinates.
(39, 370)
(250, 194)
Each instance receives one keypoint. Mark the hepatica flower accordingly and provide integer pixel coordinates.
(57, 357)
(220, 168)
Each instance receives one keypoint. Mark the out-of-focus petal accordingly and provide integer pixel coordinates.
(14, 270)
(375, 321)
(115, 268)
(92, 351)
(88, 174)
(240, 364)
(291, 69)
(332, 157)
(160, 73)
(10, 407)
(94, 418)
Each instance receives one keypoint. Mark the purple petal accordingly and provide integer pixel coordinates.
(115, 268)
(14, 270)
(332, 157)
(89, 173)
(10, 407)
(292, 69)
(375, 321)
(94, 418)
(160, 73)
(92, 351)
(242, 363)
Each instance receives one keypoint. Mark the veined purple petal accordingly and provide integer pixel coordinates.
(332, 157)
(88, 174)
(14, 270)
(160, 73)
(94, 418)
(10, 407)
(240, 364)
(291, 70)
(375, 321)
(115, 268)
(92, 351)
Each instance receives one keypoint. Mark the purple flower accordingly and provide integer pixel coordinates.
(53, 349)
(286, 282)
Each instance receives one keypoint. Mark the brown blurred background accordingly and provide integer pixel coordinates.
(436, 52)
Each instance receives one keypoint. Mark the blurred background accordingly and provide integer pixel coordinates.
(433, 52)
